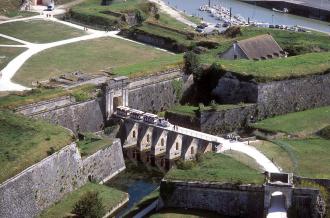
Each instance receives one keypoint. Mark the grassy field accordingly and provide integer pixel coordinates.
(122, 57)
(4, 41)
(183, 213)
(92, 144)
(24, 141)
(300, 123)
(217, 168)
(39, 31)
(244, 159)
(7, 54)
(14, 100)
(110, 198)
(311, 156)
(276, 153)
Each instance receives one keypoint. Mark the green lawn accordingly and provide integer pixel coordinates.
(7, 54)
(39, 31)
(274, 152)
(281, 68)
(4, 41)
(299, 123)
(311, 156)
(244, 159)
(92, 56)
(14, 100)
(24, 141)
(217, 168)
(92, 144)
(110, 197)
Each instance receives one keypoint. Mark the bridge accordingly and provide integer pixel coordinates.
(175, 142)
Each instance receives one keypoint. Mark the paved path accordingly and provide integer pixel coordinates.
(251, 151)
(14, 65)
(277, 208)
(173, 13)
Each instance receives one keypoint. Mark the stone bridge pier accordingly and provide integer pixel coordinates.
(151, 143)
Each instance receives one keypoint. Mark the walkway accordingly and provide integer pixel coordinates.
(250, 151)
(7, 73)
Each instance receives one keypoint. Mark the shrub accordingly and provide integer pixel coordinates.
(233, 31)
(51, 151)
(192, 65)
(89, 206)
(325, 132)
(185, 165)
(157, 16)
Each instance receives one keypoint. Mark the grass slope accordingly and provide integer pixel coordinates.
(24, 141)
(217, 168)
(110, 197)
(4, 41)
(14, 100)
(312, 156)
(299, 123)
(39, 31)
(7, 54)
(92, 144)
(121, 56)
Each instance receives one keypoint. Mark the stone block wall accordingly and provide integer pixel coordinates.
(85, 116)
(46, 182)
(155, 93)
(225, 199)
(281, 97)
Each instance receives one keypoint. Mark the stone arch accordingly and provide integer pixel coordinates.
(277, 202)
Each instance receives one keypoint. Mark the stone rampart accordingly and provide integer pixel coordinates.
(155, 93)
(85, 116)
(47, 181)
(225, 199)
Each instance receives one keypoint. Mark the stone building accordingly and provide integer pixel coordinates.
(261, 47)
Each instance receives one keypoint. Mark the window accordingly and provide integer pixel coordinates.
(177, 146)
(134, 134)
(192, 150)
(162, 143)
(148, 138)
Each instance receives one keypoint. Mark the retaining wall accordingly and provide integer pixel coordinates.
(46, 182)
(225, 199)
(85, 116)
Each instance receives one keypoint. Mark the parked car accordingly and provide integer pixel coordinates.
(162, 122)
(199, 30)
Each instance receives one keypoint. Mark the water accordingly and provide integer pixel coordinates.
(253, 12)
(137, 181)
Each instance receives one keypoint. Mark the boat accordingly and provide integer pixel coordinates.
(284, 11)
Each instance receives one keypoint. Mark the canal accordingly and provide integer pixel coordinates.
(248, 11)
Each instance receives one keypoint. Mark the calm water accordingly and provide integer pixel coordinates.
(253, 12)
(137, 181)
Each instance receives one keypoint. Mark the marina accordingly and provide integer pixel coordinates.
(243, 13)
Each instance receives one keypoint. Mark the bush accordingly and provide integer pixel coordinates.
(192, 65)
(233, 31)
(51, 151)
(325, 133)
(185, 165)
(157, 16)
(89, 206)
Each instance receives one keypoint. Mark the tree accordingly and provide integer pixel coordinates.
(89, 206)
(192, 65)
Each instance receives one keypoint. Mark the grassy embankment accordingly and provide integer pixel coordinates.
(7, 54)
(216, 168)
(110, 198)
(125, 58)
(39, 31)
(309, 153)
(14, 100)
(25, 141)
(92, 143)
(10, 8)
(4, 41)
(183, 213)
(193, 111)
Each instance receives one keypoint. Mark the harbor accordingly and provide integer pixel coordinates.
(221, 12)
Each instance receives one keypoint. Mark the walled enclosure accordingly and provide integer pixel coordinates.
(235, 200)
(46, 182)
(153, 94)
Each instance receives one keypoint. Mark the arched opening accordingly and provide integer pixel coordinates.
(134, 135)
(148, 138)
(162, 162)
(277, 205)
(162, 142)
(117, 101)
(192, 150)
(176, 146)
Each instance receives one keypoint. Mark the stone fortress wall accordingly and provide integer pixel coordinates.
(233, 200)
(46, 182)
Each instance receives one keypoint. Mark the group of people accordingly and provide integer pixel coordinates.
(175, 127)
